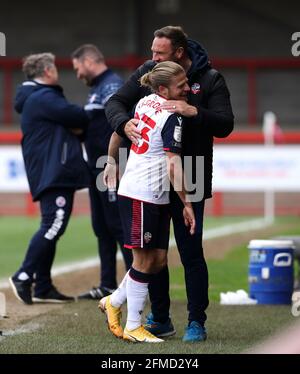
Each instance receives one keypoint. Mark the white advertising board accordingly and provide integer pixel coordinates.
(12, 171)
(236, 168)
(256, 168)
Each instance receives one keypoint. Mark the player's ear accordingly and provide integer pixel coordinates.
(163, 91)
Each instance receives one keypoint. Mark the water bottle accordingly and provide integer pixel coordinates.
(112, 195)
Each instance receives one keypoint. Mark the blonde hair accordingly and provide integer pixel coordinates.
(35, 65)
(161, 75)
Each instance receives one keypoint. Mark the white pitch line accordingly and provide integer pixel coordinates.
(208, 234)
(28, 327)
(66, 268)
(235, 228)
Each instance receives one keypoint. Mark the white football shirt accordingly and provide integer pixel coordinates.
(145, 177)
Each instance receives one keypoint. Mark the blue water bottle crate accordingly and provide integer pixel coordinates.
(271, 274)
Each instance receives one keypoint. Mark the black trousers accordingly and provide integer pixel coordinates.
(56, 207)
(107, 227)
(195, 268)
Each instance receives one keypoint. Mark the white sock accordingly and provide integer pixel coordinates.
(136, 298)
(119, 296)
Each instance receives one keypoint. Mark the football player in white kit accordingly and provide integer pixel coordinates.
(144, 197)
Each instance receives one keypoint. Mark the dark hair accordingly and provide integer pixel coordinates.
(89, 50)
(161, 75)
(35, 65)
(176, 35)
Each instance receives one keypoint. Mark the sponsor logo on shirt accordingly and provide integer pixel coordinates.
(178, 131)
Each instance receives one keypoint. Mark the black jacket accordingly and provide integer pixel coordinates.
(209, 94)
(99, 131)
(52, 154)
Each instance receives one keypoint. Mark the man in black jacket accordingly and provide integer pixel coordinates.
(55, 168)
(207, 114)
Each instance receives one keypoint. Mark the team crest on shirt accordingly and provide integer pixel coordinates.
(147, 237)
(195, 88)
(60, 201)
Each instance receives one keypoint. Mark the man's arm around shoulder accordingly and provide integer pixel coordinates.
(121, 103)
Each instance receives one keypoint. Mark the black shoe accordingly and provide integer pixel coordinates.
(22, 290)
(96, 293)
(53, 296)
